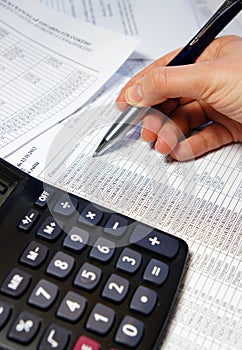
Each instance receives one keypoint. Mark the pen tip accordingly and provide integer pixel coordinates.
(101, 146)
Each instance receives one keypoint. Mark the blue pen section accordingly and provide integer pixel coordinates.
(209, 31)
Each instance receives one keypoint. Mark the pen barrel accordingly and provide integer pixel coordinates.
(130, 117)
(226, 12)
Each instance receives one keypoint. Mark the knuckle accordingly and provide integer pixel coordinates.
(158, 80)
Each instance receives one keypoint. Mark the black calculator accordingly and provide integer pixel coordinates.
(78, 276)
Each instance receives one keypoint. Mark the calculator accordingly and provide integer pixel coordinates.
(78, 276)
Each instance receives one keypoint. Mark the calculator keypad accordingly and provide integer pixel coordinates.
(55, 337)
(16, 283)
(130, 332)
(61, 265)
(101, 319)
(72, 307)
(5, 311)
(86, 278)
(34, 254)
(144, 300)
(24, 328)
(44, 294)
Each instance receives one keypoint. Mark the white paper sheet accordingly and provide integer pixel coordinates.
(200, 201)
(161, 25)
(50, 65)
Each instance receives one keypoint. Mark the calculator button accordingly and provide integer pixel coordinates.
(72, 307)
(61, 265)
(44, 294)
(102, 250)
(28, 221)
(116, 225)
(86, 343)
(3, 188)
(88, 276)
(144, 300)
(130, 332)
(34, 254)
(5, 311)
(24, 328)
(55, 337)
(90, 215)
(116, 288)
(50, 229)
(156, 272)
(101, 319)
(44, 198)
(155, 241)
(76, 239)
(66, 205)
(16, 283)
(129, 261)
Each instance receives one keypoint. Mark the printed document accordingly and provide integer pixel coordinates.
(199, 201)
(50, 66)
(160, 25)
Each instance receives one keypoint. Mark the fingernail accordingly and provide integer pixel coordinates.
(133, 95)
(121, 106)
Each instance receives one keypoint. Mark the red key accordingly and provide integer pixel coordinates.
(85, 342)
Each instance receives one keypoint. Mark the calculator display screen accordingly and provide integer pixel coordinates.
(6, 187)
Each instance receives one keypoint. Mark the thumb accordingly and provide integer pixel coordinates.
(160, 83)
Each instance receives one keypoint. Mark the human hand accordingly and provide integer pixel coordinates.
(206, 94)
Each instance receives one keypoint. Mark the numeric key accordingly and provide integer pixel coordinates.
(88, 276)
(116, 288)
(72, 307)
(101, 319)
(129, 260)
(130, 332)
(44, 294)
(61, 265)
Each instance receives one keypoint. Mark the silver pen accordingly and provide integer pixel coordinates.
(132, 115)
